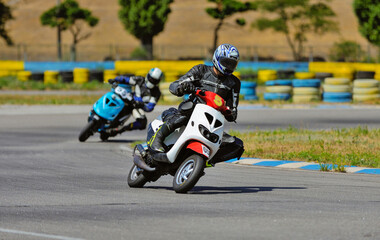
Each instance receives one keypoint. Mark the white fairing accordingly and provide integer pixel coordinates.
(191, 131)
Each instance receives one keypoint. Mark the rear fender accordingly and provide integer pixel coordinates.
(199, 148)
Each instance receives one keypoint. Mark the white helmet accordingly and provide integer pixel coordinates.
(153, 77)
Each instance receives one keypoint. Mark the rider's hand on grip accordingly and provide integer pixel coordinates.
(187, 87)
(111, 81)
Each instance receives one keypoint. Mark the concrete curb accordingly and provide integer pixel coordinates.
(299, 165)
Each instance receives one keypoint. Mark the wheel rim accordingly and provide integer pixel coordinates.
(135, 173)
(185, 172)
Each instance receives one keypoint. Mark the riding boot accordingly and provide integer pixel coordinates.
(156, 144)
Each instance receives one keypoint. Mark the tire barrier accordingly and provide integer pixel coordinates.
(337, 97)
(81, 75)
(37, 76)
(337, 89)
(306, 90)
(96, 75)
(364, 75)
(277, 96)
(344, 73)
(50, 77)
(337, 81)
(279, 82)
(304, 75)
(306, 83)
(66, 76)
(278, 89)
(366, 83)
(24, 75)
(285, 74)
(281, 90)
(248, 90)
(365, 90)
(109, 74)
(266, 75)
(323, 75)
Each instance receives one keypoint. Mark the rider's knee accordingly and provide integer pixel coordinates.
(142, 122)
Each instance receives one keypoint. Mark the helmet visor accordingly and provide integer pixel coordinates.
(229, 63)
(153, 80)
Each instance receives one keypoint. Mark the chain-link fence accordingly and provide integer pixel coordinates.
(38, 52)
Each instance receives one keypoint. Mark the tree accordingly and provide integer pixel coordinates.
(295, 19)
(144, 19)
(5, 15)
(225, 9)
(368, 14)
(346, 51)
(69, 16)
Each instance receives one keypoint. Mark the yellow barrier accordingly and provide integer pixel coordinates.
(24, 75)
(109, 74)
(4, 73)
(12, 65)
(266, 75)
(81, 75)
(304, 75)
(171, 76)
(50, 77)
(132, 67)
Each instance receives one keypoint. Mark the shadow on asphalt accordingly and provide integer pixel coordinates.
(229, 190)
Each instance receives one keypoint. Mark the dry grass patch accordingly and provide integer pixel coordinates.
(341, 147)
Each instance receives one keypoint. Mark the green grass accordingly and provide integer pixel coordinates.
(340, 147)
(11, 83)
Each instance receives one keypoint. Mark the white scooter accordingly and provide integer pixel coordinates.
(191, 146)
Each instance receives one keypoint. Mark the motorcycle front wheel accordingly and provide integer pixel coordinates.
(87, 131)
(188, 174)
(136, 179)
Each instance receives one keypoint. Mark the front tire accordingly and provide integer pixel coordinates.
(136, 179)
(87, 131)
(188, 174)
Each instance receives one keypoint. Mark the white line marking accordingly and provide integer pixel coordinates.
(38, 234)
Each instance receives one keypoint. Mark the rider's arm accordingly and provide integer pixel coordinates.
(133, 80)
(149, 106)
(191, 77)
(233, 102)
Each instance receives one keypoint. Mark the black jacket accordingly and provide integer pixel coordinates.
(204, 77)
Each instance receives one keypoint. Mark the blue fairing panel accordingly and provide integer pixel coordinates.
(109, 106)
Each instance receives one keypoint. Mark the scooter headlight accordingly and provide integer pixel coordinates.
(212, 137)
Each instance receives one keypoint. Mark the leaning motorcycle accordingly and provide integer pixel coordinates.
(109, 113)
(189, 147)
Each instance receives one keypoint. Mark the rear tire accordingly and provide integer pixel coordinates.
(135, 179)
(87, 131)
(188, 174)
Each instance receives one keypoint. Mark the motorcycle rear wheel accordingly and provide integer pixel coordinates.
(135, 179)
(188, 174)
(87, 131)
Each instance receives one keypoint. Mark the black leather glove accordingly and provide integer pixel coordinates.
(111, 81)
(186, 87)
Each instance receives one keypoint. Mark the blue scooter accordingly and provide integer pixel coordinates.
(109, 113)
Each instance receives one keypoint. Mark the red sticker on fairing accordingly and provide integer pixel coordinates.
(199, 148)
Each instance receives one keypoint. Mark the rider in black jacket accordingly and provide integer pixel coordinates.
(217, 78)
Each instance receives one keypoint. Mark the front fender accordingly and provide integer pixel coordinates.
(109, 106)
(200, 148)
